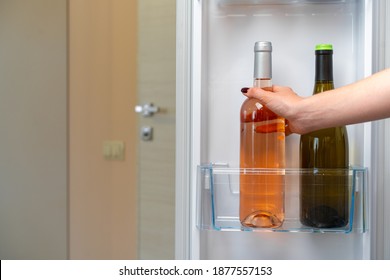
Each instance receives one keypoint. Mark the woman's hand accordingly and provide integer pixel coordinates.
(284, 102)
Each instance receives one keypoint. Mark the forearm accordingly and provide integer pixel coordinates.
(366, 100)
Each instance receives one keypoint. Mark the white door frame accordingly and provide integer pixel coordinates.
(188, 101)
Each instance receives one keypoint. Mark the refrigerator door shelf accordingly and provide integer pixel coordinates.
(218, 198)
(279, 2)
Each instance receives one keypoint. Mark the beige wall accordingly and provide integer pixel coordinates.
(102, 95)
(33, 129)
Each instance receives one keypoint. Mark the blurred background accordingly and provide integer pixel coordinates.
(77, 178)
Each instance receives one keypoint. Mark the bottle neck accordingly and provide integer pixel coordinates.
(262, 83)
(263, 65)
(324, 66)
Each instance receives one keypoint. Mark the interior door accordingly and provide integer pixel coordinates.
(156, 125)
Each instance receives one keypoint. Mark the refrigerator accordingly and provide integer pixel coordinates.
(215, 40)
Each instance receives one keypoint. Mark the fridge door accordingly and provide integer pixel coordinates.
(215, 60)
(380, 177)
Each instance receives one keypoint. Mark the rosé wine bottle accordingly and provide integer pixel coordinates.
(262, 153)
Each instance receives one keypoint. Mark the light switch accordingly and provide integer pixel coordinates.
(114, 150)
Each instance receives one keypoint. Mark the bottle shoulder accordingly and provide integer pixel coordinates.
(322, 86)
(252, 110)
(337, 133)
(249, 103)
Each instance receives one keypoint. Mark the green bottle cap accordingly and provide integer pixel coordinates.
(324, 47)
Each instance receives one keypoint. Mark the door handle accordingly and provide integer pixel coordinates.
(147, 110)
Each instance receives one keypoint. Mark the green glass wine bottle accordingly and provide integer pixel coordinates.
(324, 190)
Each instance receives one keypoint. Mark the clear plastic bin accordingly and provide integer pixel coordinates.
(218, 198)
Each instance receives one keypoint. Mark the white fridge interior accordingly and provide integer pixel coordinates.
(222, 63)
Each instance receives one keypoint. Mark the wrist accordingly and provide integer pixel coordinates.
(299, 116)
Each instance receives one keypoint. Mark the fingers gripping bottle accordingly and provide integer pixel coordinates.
(262, 145)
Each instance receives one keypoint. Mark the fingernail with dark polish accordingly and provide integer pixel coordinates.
(244, 90)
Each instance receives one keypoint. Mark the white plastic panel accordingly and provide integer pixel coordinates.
(279, 245)
(230, 29)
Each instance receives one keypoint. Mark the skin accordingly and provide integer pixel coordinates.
(365, 100)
